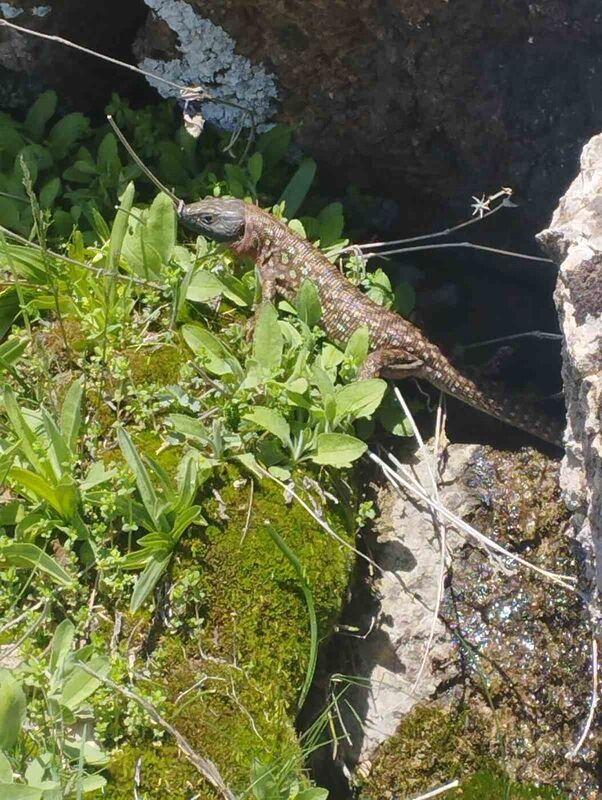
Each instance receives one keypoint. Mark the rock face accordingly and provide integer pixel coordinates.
(507, 685)
(408, 550)
(428, 102)
(574, 240)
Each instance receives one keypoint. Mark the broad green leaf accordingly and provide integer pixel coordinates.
(214, 353)
(148, 579)
(188, 426)
(358, 345)
(298, 187)
(274, 144)
(184, 520)
(9, 305)
(380, 288)
(307, 303)
(11, 351)
(12, 709)
(49, 192)
(61, 643)
(18, 791)
(71, 414)
(392, 417)
(314, 793)
(11, 140)
(92, 754)
(91, 783)
(330, 357)
(267, 339)
(255, 166)
(143, 481)
(9, 213)
(107, 157)
(36, 485)
(330, 222)
(23, 431)
(26, 554)
(338, 449)
(271, 421)
(405, 299)
(81, 684)
(6, 771)
(204, 286)
(120, 226)
(360, 399)
(66, 132)
(58, 452)
(160, 229)
(38, 115)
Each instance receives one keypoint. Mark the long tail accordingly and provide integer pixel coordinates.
(492, 399)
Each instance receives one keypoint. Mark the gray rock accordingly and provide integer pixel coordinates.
(408, 551)
(574, 240)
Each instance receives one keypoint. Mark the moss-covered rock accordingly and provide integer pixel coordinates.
(233, 689)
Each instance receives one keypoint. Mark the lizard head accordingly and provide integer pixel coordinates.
(218, 218)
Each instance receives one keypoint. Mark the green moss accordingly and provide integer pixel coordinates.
(434, 745)
(249, 662)
(160, 366)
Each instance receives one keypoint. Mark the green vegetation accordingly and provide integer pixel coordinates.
(157, 568)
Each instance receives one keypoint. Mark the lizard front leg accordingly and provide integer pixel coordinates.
(390, 362)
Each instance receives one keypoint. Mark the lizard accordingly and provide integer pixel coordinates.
(397, 348)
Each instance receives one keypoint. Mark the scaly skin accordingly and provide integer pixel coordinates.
(397, 348)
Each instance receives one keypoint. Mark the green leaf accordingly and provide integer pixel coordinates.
(21, 428)
(120, 226)
(143, 481)
(10, 211)
(380, 288)
(91, 783)
(61, 643)
(405, 299)
(58, 452)
(38, 115)
(81, 684)
(25, 554)
(358, 345)
(274, 144)
(66, 132)
(188, 426)
(49, 192)
(35, 485)
(9, 307)
(6, 771)
(271, 421)
(160, 229)
(338, 449)
(148, 579)
(298, 187)
(18, 791)
(107, 157)
(360, 399)
(330, 223)
(314, 793)
(214, 353)
(92, 754)
(204, 286)
(11, 351)
(12, 709)
(71, 414)
(255, 166)
(308, 304)
(267, 339)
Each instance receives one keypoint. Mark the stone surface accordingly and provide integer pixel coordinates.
(408, 550)
(574, 239)
(429, 102)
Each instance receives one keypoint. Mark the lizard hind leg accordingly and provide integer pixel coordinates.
(390, 362)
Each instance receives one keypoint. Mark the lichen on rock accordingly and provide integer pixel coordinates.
(207, 57)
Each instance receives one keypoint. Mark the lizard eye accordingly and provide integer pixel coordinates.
(207, 219)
